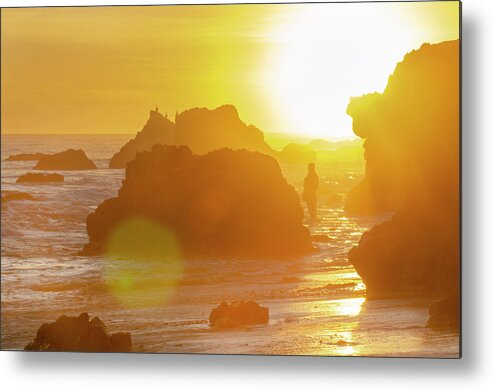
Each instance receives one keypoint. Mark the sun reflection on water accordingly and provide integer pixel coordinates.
(349, 307)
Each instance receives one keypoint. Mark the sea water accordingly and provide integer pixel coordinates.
(317, 304)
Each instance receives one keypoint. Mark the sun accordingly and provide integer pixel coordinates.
(327, 53)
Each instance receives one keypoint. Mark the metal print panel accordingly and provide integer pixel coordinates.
(272, 179)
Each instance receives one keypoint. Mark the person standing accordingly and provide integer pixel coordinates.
(310, 191)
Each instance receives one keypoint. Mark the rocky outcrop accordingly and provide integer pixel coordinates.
(297, 153)
(26, 157)
(411, 136)
(40, 178)
(411, 133)
(238, 314)
(321, 238)
(157, 130)
(223, 204)
(201, 129)
(79, 334)
(69, 160)
(413, 254)
(445, 313)
(8, 197)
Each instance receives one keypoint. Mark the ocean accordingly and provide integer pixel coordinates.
(317, 304)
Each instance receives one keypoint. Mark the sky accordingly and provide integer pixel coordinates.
(287, 68)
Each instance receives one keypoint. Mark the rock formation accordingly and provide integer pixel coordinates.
(411, 136)
(238, 314)
(298, 154)
(445, 313)
(8, 197)
(157, 130)
(201, 129)
(26, 157)
(69, 160)
(411, 132)
(40, 178)
(223, 204)
(79, 334)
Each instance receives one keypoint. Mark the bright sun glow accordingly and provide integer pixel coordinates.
(329, 53)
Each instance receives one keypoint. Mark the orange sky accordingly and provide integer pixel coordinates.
(287, 68)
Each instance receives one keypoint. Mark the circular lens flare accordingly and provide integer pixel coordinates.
(143, 263)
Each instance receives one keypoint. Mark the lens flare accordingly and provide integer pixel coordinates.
(143, 263)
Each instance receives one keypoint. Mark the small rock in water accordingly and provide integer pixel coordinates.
(69, 160)
(40, 178)
(79, 334)
(17, 196)
(26, 157)
(290, 279)
(237, 314)
(321, 238)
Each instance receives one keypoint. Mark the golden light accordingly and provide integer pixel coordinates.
(143, 263)
(349, 307)
(330, 52)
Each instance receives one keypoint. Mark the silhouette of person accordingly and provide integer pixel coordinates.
(310, 191)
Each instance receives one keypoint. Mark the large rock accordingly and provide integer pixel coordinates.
(40, 178)
(79, 334)
(445, 313)
(201, 129)
(415, 253)
(238, 314)
(69, 160)
(26, 157)
(412, 167)
(223, 204)
(411, 133)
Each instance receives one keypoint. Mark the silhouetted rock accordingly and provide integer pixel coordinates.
(40, 178)
(121, 342)
(238, 314)
(321, 238)
(26, 157)
(412, 167)
(201, 129)
(297, 153)
(415, 253)
(69, 160)
(79, 334)
(8, 197)
(411, 133)
(157, 130)
(445, 313)
(223, 204)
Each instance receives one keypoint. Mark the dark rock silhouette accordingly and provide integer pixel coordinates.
(415, 253)
(40, 178)
(445, 313)
(26, 157)
(157, 130)
(298, 153)
(410, 131)
(238, 314)
(201, 129)
(321, 238)
(412, 167)
(17, 196)
(224, 204)
(79, 334)
(69, 160)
